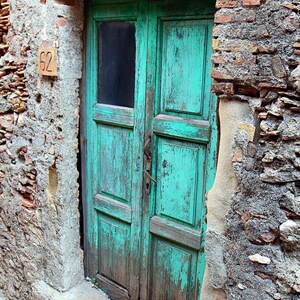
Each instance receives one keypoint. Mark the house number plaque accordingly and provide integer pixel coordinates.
(47, 61)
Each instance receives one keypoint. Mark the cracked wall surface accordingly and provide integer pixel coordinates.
(256, 64)
(39, 221)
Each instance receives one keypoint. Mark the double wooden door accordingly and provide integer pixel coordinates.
(150, 127)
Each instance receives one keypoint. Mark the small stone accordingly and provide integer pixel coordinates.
(290, 235)
(278, 67)
(268, 237)
(3, 148)
(297, 162)
(238, 155)
(257, 258)
(61, 21)
(241, 286)
(263, 115)
(291, 23)
(296, 45)
(269, 157)
(288, 225)
(289, 5)
(277, 296)
(51, 150)
(295, 79)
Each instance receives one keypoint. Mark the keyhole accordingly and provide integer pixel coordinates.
(164, 164)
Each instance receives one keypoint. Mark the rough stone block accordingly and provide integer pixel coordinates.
(278, 67)
(223, 88)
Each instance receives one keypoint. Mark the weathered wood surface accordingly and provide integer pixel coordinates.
(151, 231)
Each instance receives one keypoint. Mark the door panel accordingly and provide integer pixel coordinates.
(150, 123)
(178, 76)
(113, 161)
(180, 170)
(172, 274)
(182, 60)
(114, 237)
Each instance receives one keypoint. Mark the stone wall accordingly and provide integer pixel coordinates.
(39, 230)
(253, 251)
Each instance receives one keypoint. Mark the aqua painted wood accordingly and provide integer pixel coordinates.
(149, 167)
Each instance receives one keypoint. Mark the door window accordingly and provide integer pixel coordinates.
(116, 63)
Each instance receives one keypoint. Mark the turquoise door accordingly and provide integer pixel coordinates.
(150, 130)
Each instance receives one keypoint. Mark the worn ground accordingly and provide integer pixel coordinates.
(84, 291)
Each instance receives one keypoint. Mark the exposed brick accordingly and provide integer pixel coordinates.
(226, 16)
(218, 58)
(65, 2)
(220, 74)
(223, 17)
(216, 74)
(234, 45)
(251, 2)
(241, 60)
(264, 49)
(226, 3)
(271, 85)
(246, 90)
(223, 88)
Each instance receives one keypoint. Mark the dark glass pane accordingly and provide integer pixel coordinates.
(116, 63)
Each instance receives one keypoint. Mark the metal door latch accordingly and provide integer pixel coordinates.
(147, 154)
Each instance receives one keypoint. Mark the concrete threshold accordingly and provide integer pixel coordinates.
(83, 291)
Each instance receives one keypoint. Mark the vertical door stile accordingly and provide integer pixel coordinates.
(149, 113)
(139, 124)
(91, 140)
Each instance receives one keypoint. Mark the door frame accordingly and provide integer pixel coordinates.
(85, 125)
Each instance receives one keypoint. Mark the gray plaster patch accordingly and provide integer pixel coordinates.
(215, 245)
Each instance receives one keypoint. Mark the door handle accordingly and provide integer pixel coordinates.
(147, 155)
(148, 177)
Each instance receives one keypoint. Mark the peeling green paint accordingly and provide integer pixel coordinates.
(156, 239)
